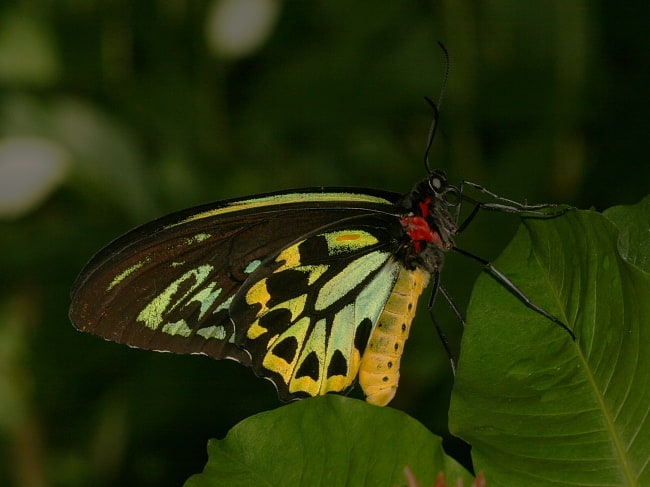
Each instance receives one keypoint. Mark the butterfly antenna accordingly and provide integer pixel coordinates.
(436, 108)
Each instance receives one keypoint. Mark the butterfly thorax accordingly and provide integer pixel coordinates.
(428, 225)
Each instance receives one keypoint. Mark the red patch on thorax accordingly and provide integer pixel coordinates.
(424, 207)
(419, 231)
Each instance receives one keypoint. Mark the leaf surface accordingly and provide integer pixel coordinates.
(537, 407)
(326, 441)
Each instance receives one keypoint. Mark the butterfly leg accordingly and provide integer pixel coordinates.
(505, 206)
(452, 305)
(512, 287)
(443, 338)
(511, 206)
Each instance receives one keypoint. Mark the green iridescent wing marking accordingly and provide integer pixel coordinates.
(172, 284)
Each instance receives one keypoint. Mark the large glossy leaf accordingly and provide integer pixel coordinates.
(537, 407)
(326, 441)
(633, 223)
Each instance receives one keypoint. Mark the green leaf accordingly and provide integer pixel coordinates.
(634, 235)
(538, 408)
(327, 441)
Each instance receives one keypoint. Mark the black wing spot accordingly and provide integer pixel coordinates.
(396, 347)
(313, 249)
(286, 349)
(403, 327)
(362, 335)
(338, 365)
(384, 379)
(310, 367)
(286, 285)
(276, 320)
(410, 306)
(389, 365)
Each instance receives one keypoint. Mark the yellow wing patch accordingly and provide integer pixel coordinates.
(346, 241)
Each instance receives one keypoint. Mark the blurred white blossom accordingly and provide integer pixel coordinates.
(30, 169)
(236, 28)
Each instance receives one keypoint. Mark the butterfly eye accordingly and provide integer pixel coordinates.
(438, 182)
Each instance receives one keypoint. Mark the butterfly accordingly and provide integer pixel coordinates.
(314, 289)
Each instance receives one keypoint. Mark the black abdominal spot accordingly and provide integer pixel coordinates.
(286, 285)
(310, 367)
(286, 349)
(362, 335)
(313, 250)
(338, 365)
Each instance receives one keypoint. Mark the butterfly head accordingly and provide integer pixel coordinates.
(441, 189)
(439, 198)
(428, 223)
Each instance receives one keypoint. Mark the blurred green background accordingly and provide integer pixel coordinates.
(114, 113)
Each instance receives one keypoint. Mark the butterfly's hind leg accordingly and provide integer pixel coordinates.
(437, 287)
(512, 287)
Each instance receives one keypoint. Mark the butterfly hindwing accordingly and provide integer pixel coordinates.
(306, 314)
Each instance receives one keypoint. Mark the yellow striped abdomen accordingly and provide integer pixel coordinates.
(379, 368)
